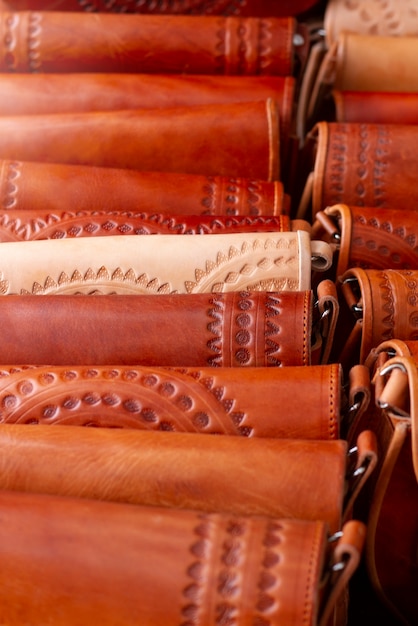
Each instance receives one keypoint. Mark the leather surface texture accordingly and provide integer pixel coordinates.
(158, 566)
(178, 44)
(376, 107)
(180, 470)
(239, 139)
(294, 402)
(55, 187)
(129, 265)
(235, 329)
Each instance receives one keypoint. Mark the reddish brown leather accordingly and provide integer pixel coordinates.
(48, 41)
(376, 107)
(365, 165)
(68, 93)
(295, 402)
(30, 225)
(249, 8)
(231, 329)
(51, 187)
(240, 139)
(375, 238)
(75, 561)
(180, 470)
(388, 299)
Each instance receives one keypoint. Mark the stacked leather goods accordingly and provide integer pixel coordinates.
(194, 244)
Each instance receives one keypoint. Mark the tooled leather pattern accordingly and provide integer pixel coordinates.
(399, 323)
(382, 17)
(100, 223)
(191, 7)
(10, 184)
(362, 182)
(378, 243)
(121, 397)
(231, 196)
(225, 548)
(247, 42)
(17, 51)
(235, 344)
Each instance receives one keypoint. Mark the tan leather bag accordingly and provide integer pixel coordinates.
(129, 565)
(52, 189)
(185, 265)
(313, 479)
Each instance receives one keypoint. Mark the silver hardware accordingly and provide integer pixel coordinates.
(298, 40)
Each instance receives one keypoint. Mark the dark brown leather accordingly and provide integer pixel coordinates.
(48, 41)
(51, 187)
(30, 225)
(249, 8)
(231, 329)
(75, 561)
(376, 107)
(386, 305)
(295, 402)
(370, 237)
(181, 470)
(365, 165)
(240, 139)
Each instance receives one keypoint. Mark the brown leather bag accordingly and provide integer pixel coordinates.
(281, 402)
(376, 107)
(48, 41)
(391, 553)
(184, 265)
(371, 165)
(369, 237)
(249, 8)
(313, 479)
(377, 305)
(129, 565)
(231, 329)
(58, 188)
(239, 139)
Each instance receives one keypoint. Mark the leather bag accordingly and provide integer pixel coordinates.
(295, 402)
(54, 41)
(128, 565)
(188, 470)
(369, 237)
(59, 188)
(234, 140)
(371, 165)
(391, 553)
(129, 265)
(236, 329)
(382, 305)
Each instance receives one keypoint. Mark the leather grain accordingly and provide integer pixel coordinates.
(180, 470)
(240, 139)
(371, 165)
(232, 329)
(48, 41)
(184, 265)
(290, 402)
(155, 566)
(376, 107)
(46, 187)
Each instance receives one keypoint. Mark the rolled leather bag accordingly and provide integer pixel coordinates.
(232, 329)
(234, 140)
(369, 237)
(44, 187)
(290, 402)
(379, 305)
(376, 107)
(371, 165)
(128, 565)
(183, 265)
(21, 225)
(250, 8)
(48, 41)
(391, 552)
(312, 478)
(396, 18)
